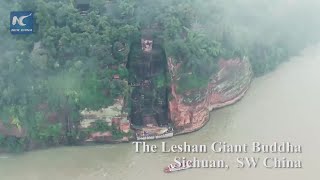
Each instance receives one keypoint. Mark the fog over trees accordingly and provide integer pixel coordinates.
(64, 66)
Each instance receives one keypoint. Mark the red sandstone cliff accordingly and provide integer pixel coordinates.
(225, 88)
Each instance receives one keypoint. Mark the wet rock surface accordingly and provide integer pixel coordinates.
(106, 125)
(190, 111)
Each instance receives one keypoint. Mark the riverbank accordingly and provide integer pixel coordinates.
(112, 124)
(264, 115)
(212, 108)
(227, 87)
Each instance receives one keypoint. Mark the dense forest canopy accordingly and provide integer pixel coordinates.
(64, 66)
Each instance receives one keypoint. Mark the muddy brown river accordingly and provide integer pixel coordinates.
(283, 105)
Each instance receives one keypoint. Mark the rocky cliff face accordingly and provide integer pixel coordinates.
(13, 130)
(190, 111)
(111, 120)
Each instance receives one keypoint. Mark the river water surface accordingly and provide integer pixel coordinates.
(282, 106)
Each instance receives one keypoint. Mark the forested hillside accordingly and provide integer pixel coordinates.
(67, 65)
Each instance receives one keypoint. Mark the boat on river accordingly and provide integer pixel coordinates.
(177, 167)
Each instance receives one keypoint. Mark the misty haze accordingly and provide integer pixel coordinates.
(80, 80)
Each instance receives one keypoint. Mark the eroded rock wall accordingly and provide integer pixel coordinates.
(113, 116)
(190, 111)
